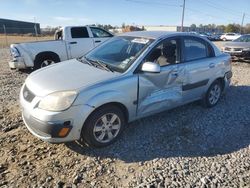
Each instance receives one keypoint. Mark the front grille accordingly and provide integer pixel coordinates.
(27, 94)
(233, 49)
(237, 49)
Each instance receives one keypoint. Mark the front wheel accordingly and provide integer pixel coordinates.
(213, 94)
(103, 126)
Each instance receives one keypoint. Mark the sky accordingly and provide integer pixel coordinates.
(131, 12)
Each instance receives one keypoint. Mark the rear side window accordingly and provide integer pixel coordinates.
(194, 49)
(100, 33)
(79, 32)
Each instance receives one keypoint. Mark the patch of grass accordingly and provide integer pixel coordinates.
(20, 38)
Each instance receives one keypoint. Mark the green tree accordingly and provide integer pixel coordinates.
(193, 27)
(235, 28)
(247, 28)
(123, 25)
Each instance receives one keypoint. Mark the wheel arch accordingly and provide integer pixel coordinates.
(117, 104)
(222, 81)
(47, 53)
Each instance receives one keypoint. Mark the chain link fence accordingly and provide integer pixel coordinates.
(10, 35)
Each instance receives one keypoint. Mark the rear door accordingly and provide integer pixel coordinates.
(99, 35)
(79, 41)
(200, 66)
(161, 91)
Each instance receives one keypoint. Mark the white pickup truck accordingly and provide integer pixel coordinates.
(229, 36)
(70, 42)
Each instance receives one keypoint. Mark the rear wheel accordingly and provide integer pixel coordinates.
(213, 94)
(103, 126)
(45, 60)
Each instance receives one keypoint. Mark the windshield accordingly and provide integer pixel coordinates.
(119, 52)
(244, 38)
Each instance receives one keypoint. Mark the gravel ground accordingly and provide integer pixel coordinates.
(186, 147)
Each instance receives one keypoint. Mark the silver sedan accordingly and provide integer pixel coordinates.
(130, 76)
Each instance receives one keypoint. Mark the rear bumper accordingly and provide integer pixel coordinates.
(227, 80)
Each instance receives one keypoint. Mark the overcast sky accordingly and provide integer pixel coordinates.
(116, 12)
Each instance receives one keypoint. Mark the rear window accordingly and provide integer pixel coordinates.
(79, 32)
(194, 49)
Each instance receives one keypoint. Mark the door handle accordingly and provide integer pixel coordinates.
(211, 65)
(73, 42)
(175, 74)
(97, 41)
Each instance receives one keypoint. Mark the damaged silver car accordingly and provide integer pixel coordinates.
(130, 76)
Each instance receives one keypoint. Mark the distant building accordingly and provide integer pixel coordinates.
(178, 28)
(165, 28)
(18, 27)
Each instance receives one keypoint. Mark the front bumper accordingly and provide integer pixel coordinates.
(48, 126)
(242, 54)
(46, 130)
(17, 63)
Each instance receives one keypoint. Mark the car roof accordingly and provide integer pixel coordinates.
(155, 34)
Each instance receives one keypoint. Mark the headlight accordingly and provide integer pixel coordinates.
(14, 52)
(58, 101)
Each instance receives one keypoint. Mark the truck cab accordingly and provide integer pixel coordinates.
(69, 42)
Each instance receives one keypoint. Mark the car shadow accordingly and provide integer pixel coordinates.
(187, 131)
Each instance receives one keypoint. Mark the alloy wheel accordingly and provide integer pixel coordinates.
(107, 128)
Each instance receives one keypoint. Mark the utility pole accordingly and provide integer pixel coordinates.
(242, 21)
(35, 27)
(183, 12)
(5, 32)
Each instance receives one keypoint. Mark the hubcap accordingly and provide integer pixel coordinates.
(214, 94)
(47, 62)
(107, 128)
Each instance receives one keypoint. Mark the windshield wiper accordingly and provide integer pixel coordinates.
(86, 61)
(95, 63)
(103, 65)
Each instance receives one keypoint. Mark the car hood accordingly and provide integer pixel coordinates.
(237, 44)
(67, 75)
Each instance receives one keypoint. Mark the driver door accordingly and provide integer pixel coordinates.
(161, 91)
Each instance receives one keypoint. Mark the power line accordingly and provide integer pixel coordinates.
(195, 10)
(223, 8)
(154, 3)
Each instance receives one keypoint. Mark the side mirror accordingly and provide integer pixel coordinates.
(151, 67)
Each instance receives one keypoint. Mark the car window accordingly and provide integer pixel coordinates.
(244, 38)
(194, 49)
(165, 53)
(79, 32)
(99, 33)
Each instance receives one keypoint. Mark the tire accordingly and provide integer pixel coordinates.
(224, 39)
(97, 133)
(213, 94)
(45, 60)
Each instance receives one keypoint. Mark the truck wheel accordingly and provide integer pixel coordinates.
(45, 60)
(103, 126)
(213, 94)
